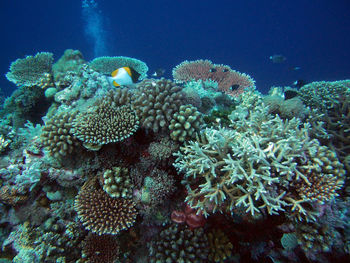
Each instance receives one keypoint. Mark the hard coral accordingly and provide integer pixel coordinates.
(98, 249)
(105, 124)
(155, 103)
(31, 71)
(229, 81)
(256, 165)
(106, 65)
(179, 244)
(102, 214)
(57, 137)
(185, 123)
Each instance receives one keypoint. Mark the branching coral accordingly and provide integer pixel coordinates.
(117, 182)
(255, 165)
(185, 123)
(57, 137)
(102, 214)
(155, 103)
(31, 71)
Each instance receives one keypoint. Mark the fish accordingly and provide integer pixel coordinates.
(124, 76)
(295, 68)
(278, 59)
(158, 73)
(299, 83)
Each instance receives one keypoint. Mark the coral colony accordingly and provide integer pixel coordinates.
(201, 168)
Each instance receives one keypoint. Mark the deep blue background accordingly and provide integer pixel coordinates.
(313, 34)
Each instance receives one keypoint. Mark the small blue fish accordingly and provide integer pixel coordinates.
(278, 59)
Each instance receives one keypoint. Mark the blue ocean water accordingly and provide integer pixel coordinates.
(313, 35)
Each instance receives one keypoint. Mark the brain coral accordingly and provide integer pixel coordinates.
(31, 71)
(56, 134)
(105, 123)
(106, 65)
(102, 214)
(155, 103)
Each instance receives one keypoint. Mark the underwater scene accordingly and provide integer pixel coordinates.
(175, 132)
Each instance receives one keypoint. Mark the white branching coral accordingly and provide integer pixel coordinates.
(257, 164)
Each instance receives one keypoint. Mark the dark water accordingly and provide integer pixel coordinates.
(313, 35)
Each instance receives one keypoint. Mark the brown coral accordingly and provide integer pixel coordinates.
(102, 214)
(57, 137)
(156, 102)
(98, 249)
(105, 124)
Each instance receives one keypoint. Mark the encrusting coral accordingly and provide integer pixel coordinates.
(155, 103)
(102, 214)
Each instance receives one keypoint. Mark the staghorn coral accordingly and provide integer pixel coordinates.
(105, 123)
(256, 165)
(31, 71)
(185, 123)
(229, 81)
(117, 182)
(220, 246)
(56, 135)
(106, 65)
(97, 249)
(102, 214)
(155, 103)
(177, 243)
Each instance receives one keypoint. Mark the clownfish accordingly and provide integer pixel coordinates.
(124, 76)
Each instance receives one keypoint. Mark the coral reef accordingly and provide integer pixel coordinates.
(256, 164)
(205, 170)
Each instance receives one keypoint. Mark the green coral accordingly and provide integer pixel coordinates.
(256, 164)
(106, 65)
(117, 183)
(31, 70)
(185, 123)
